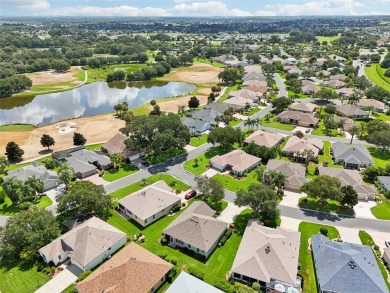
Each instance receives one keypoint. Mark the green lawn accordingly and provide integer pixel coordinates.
(251, 111)
(8, 208)
(332, 206)
(17, 127)
(122, 171)
(272, 123)
(198, 140)
(227, 91)
(169, 180)
(381, 158)
(366, 239)
(218, 206)
(20, 278)
(234, 122)
(321, 131)
(378, 116)
(376, 74)
(203, 161)
(95, 146)
(305, 258)
(328, 39)
(382, 210)
(204, 60)
(327, 157)
(163, 156)
(70, 289)
(236, 185)
(100, 74)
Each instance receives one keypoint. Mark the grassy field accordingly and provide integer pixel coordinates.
(236, 185)
(234, 122)
(272, 123)
(206, 61)
(100, 74)
(203, 161)
(376, 74)
(251, 111)
(163, 156)
(95, 146)
(227, 91)
(305, 258)
(328, 39)
(381, 158)
(9, 208)
(332, 206)
(17, 127)
(378, 116)
(321, 131)
(366, 239)
(382, 210)
(198, 141)
(122, 171)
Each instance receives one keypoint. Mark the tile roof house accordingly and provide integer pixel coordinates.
(84, 162)
(384, 181)
(117, 145)
(268, 256)
(150, 203)
(49, 178)
(338, 77)
(254, 76)
(353, 178)
(237, 161)
(303, 107)
(205, 115)
(351, 156)
(186, 283)
(238, 102)
(87, 245)
(310, 89)
(195, 126)
(294, 172)
(296, 145)
(264, 138)
(353, 111)
(345, 267)
(344, 92)
(334, 83)
(378, 105)
(196, 229)
(246, 94)
(132, 270)
(254, 83)
(298, 118)
(348, 122)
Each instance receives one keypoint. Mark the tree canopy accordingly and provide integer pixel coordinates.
(210, 188)
(226, 137)
(323, 187)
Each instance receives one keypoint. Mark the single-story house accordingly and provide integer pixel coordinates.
(253, 68)
(298, 118)
(345, 267)
(353, 178)
(348, 122)
(49, 178)
(196, 229)
(264, 138)
(337, 58)
(345, 93)
(351, 156)
(149, 204)
(205, 115)
(352, 111)
(237, 161)
(246, 94)
(341, 77)
(384, 181)
(195, 126)
(296, 145)
(87, 245)
(294, 172)
(117, 145)
(303, 107)
(134, 269)
(334, 83)
(310, 89)
(260, 90)
(84, 162)
(236, 63)
(378, 105)
(254, 83)
(239, 102)
(254, 76)
(386, 256)
(222, 107)
(268, 256)
(186, 283)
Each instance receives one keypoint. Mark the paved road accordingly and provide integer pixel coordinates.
(281, 86)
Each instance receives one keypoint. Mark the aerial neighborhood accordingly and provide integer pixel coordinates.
(189, 154)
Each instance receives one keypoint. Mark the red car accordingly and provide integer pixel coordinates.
(190, 194)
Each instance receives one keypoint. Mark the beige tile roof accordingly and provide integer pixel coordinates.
(348, 122)
(255, 83)
(299, 116)
(85, 242)
(267, 253)
(303, 107)
(239, 160)
(246, 94)
(132, 270)
(197, 227)
(238, 101)
(296, 144)
(294, 172)
(351, 110)
(345, 91)
(150, 200)
(310, 88)
(371, 102)
(257, 88)
(264, 138)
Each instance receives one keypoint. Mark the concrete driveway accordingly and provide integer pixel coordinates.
(3, 220)
(61, 281)
(230, 213)
(290, 223)
(349, 235)
(210, 173)
(363, 209)
(379, 238)
(96, 179)
(302, 129)
(291, 198)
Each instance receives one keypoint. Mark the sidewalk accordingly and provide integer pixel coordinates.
(61, 281)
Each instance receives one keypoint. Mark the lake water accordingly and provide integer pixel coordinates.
(90, 99)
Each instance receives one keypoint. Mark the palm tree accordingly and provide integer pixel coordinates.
(353, 99)
(309, 155)
(13, 188)
(36, 184)
(363, 128)
(66, 173)
(279, 180)
(116, 159)
(256, 122)
(354, 130)
(248, 122)
(4, 163)
(180, 109)
(342, 124)
(27, 191)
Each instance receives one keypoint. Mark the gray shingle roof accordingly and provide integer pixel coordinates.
(385, 181)
(346, 267)
(185, 283)
(206, 115)
(295, 173)
(193, 124)
(351, 153)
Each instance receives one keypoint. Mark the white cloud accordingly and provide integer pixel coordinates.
(209, 8)
(26, 4)
(123, 10)
(180, 1)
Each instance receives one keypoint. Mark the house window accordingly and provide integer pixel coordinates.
(129, 212)
(59, 257)
(109, 248)
(189, 246)
(245, 278)
(197, 249)
(154, 216)
(136, 217)
(146, 221)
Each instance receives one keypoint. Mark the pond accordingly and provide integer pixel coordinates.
(87, 100)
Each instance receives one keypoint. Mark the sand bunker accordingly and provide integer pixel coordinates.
(67, 127)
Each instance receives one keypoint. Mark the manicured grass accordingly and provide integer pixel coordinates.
(163, 156)
(321, 131)
(227, 91)
(218, 206)
(100, 74)
(203, 161)
(378, 116)
(236, 185)
(326, 157)
(376, 74)
(43, 202)
(95, 146)
(20, 278)
(206, 61)
(381, 158)
(382, 210)
(17, 127)
(366, 239)
(305, 258)
(122, 171)
(234, 122)
(251, 111)
(169, 180)
(331, 206)
(198, 140)
(328, 39)
(70, 289)
(8, 208)
(272, 123)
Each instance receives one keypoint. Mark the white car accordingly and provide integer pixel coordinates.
(387, 243)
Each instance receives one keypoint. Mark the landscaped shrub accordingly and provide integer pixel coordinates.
(176, 208)
(316, 171)
(224, 286)
(376, 247)
(178, 190)
(324, 231)
(305, 200)
(128, 239)
(172, 260)
(49, 164)
(223, 240)
(228, 233)
(46, 270)
(173, 183)
(256, 286)
(164, 241)
(25, 205)
(172, 274)
(196, 272)
(84, 275)
(162, 253)
(183, 204)
(2, 197)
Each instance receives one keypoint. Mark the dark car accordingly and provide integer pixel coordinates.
(145, 163)
(307, 130)
(190, 194)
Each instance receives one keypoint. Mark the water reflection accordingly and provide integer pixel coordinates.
(91, 99)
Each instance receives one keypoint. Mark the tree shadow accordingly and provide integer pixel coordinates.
(45, 152)
(242, 219)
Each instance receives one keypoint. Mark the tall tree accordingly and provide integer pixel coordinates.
(13, 152)
(226, 137)
(66, 173)
(323, 187)
(13, 188)
(350, 196)
(354, 130)
(210, 188)
(4, 163)
(79, 139)
(193, 103)
(36, 184)
(47, 141)
(116, 159)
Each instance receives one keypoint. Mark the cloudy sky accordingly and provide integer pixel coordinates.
(192, 7)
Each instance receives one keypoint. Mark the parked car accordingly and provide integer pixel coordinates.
(307, 130)
(387, 243)
(145, 163)
(190, 194)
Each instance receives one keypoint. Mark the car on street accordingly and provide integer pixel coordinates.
(387, 243)
(190, 194)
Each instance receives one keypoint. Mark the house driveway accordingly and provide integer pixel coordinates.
(189, 148)
(379, 238)
(290, 223)
(291, 198)
(349, 235)
(96, 179)
(302, 129)
(230, 212)
(239, 116)
(61, 281)
(210, 173)
(363, 209)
